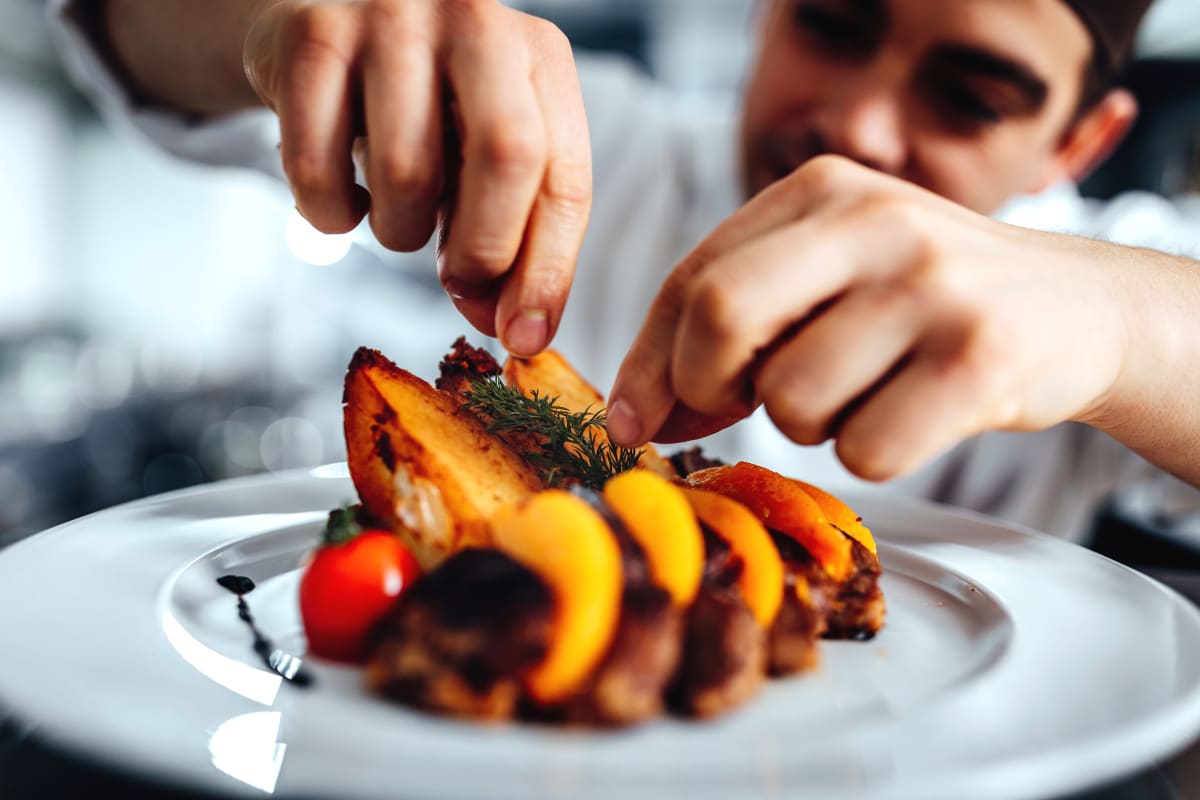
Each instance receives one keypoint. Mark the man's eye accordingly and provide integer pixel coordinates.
(963, 104)
(835, 33)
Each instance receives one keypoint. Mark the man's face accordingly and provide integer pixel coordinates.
(968, 98)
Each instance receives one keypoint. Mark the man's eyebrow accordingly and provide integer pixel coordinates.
(991, 65)
(874, 11)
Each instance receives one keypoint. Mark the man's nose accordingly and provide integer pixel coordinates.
(866, 124)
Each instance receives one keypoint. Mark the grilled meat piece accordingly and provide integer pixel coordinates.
(792, 640)
(464, 365)
(859, 609)
(723, 646)
(458, 640)
(852, 609)
(724, 652)
(629, 684)
(692, 460)
(721, 566)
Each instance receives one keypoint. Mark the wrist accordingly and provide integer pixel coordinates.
(1150, 306)
(179, 54)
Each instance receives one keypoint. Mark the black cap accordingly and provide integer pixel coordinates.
(1113, 25)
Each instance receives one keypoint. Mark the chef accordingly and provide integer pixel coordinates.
(841, 279)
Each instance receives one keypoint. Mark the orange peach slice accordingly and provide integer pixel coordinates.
(761, 581)
(782, 505)
(569, 546)
(840, 515)
(660, 519)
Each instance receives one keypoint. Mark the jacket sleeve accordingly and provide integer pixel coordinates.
(246, 139)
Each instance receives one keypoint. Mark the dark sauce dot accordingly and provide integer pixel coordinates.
(238, 584)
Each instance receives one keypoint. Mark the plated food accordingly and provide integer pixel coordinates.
(562, 578)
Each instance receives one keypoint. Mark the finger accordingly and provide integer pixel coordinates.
(504, 159)
(313, 103)
(642, 396)
(475, 301)
(532, 299)
(821, 371)
(404, 131)
(944, 394)
(684, 424)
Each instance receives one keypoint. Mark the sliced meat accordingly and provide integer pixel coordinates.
(458, 640)
(724, 653)
(859, 609)
(692, 460)
(724, 647)
(629, 684)
(852, 609)
(792, 640)
(464, 365)
(721, 565)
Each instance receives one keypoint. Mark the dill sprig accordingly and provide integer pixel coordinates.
(567, 449)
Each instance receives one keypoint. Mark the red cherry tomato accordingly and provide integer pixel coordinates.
(348, 587)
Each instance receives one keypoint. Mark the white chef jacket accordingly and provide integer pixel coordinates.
(663, 179)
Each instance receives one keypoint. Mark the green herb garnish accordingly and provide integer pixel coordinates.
(341, 527)
(568, 450)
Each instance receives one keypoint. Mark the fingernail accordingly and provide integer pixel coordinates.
(623, 425)
(527, 333)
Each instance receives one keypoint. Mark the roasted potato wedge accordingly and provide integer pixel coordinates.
(423, 466)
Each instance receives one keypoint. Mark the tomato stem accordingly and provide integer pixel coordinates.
(341, 527)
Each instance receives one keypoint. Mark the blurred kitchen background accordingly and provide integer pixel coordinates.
(164, 325)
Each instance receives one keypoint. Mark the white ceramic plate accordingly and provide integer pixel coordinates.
(1012, 664)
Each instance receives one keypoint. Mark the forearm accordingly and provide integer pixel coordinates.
(182, 54)
(1154, 406)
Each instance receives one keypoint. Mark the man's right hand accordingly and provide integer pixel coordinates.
(462, 113)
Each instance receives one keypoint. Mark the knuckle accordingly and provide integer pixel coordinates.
(925, 279)
(823, 174)
(549, 36)
(396, 26)
(795, 419)
(714, 308)
(894, 217)
(477, 7)
(383, 14)
(316, 34)
(868, 458)
(701, 394)
(484, 257)
(988, 349)
(883, 208)
(468, 16)
(414, 178)
(569, 189)
(512, 147)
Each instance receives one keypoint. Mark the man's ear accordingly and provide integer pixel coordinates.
(1091, 138)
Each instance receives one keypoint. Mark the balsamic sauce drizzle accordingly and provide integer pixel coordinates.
(283, 664)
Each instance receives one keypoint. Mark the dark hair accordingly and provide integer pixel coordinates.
(1098, 78)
